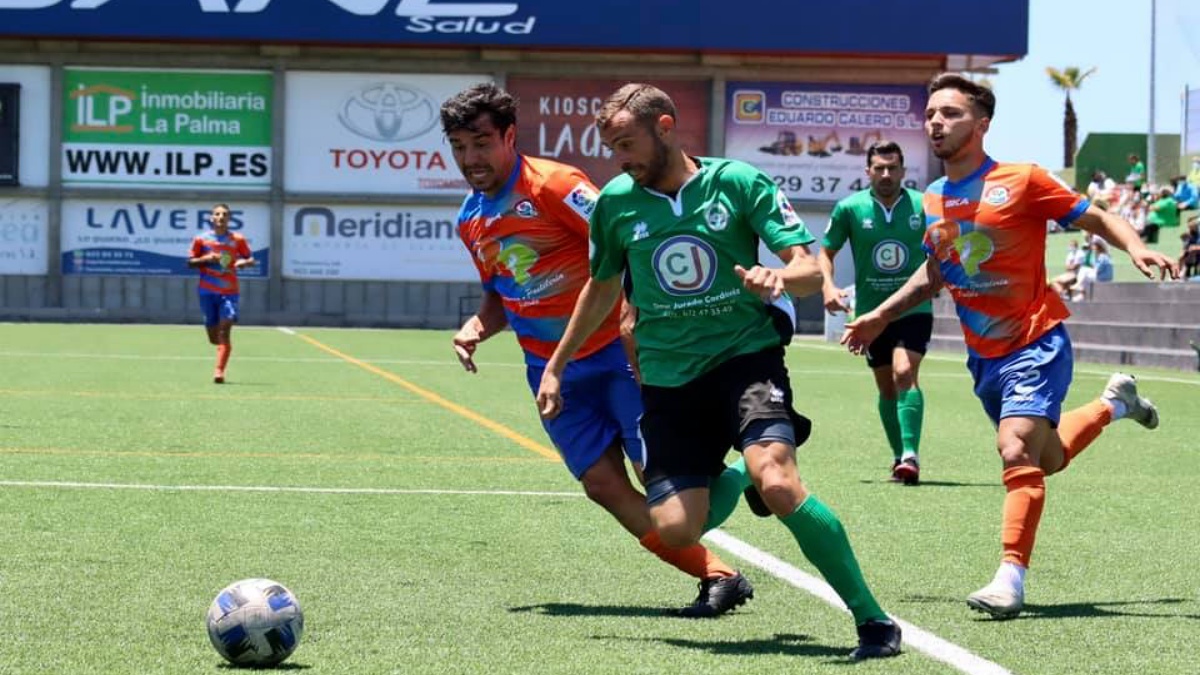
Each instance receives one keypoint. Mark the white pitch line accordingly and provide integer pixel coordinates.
(285, 330)
(914, 637)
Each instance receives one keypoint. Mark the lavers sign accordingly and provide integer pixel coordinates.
(424, 16)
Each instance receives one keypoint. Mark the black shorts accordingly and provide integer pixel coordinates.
(911, 332)
(688, 430)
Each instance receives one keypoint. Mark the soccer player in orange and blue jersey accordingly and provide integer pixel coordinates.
(986, 242)
(525, 224)
(219, 254)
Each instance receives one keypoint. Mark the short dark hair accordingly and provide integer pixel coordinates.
(884, 148)
(221, 205)
(645, 102)
(462, 110)
(983, 98)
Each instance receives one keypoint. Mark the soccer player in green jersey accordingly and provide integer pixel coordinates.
(885, 226)
(687, 230)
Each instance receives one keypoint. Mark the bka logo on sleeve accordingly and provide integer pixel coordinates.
(685, 265)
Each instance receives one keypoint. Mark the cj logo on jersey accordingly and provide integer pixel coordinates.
(889, 256)
(685, 265)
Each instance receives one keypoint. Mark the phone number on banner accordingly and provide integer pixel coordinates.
(823, 187)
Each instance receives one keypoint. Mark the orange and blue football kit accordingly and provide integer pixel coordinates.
(219, 281)
(530, 246)
(987, 234)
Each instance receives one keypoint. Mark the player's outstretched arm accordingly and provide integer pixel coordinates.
(1116, 231)
(834, 297)
(595, 301)
(490, 320)
(921, 286)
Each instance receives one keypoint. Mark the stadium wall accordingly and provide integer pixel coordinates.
(58, 224)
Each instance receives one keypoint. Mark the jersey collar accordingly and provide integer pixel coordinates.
(987, 165)
(677, 201)
(508, 184)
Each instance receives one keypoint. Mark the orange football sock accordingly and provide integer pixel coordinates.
(1022, 512)
(695, 560)
(1079, 427)
(223, 351)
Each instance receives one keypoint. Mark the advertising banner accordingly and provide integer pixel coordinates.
(23, 236)
(32, 151)
(370, 132)
(113, 237)
(747, 26)
(557, 119)
(374, 243)
(813, 138)
(167, 128)
(10, 121)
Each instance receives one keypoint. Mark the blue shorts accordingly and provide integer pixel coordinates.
(218, 308)
(1030, 382)
(601, 403)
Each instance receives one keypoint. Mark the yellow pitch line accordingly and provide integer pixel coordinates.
(523, 441)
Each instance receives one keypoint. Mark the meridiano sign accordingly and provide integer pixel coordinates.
(167, 128)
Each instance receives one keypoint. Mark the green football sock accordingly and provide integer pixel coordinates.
(824, 542)
(725, 491)
(910, 409)
(888, 413)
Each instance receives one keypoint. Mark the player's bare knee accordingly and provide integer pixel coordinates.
(679, 534)
(783, 498)
(904, 377)
(605, 489)
(1014, 450)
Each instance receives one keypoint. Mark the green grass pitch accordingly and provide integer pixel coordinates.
(413, 510)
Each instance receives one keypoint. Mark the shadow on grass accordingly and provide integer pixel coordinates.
(931, 484)
(251, 669)
(572, 609)
(1077, 610)
(1114, 608)
(784, 644)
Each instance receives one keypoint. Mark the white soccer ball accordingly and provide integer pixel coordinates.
(255, 622)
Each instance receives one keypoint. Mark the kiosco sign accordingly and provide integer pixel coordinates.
(163, 128)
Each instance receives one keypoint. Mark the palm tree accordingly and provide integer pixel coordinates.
(1069, 79)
